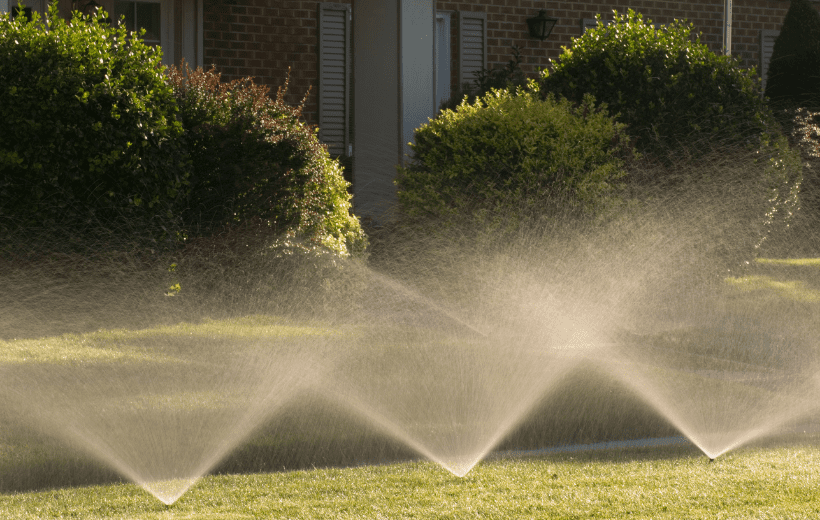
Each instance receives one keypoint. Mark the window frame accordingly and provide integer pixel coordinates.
(181, 31)
(162, 16)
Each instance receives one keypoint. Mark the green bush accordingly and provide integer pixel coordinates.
(507, 153)
(793, 87)
(255, 163)
(805, 134)
(666, 86)
(89, 137)
(794, 70)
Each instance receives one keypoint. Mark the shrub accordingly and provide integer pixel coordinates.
(805, 133)
(508, 153)
(794, 70)
(685, 105)
(665, 85)
(89, 135)
(255, 163)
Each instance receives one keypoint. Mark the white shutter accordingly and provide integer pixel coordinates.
(767, 38)
(334, 76)
(472, 45)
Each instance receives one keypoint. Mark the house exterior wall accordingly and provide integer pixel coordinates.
(506, 24)
(262, 38)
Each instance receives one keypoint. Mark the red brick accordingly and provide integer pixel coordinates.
(271, 35)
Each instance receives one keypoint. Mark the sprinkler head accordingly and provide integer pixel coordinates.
(711, 460)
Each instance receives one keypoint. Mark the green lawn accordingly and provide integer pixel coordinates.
(661, 483)
(790, 279)
(778, 481)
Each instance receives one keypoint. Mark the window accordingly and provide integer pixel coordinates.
(30, 7)
(141, 15)
(17, 11)
(472, 45)
(173, 25)
(334, 77)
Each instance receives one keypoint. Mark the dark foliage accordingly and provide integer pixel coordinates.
(806, 137)
(794, 70)
(89, 139)
(669, 88)
(256, 163)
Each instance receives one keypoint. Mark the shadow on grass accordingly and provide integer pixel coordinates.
(315, 434)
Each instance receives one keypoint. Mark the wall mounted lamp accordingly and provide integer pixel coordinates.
(541, 26)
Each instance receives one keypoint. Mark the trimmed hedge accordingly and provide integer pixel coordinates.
(664, 84)
(256, 163)
(516, 155)
(89, 138)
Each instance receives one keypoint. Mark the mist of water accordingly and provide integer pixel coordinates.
(165, 420)
(449, 342)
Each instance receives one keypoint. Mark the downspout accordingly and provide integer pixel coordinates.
(727, 27)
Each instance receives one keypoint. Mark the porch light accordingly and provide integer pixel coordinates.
(541, 26)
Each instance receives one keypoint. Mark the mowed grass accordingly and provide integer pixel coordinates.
(785, 279)
(129, 345)
(755, 483)
(772, 482)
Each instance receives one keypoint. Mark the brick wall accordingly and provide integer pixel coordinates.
(506, 24)
(262, 38)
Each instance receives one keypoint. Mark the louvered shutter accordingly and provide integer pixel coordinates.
(767, 38)
(334, 76)
(472, 45)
